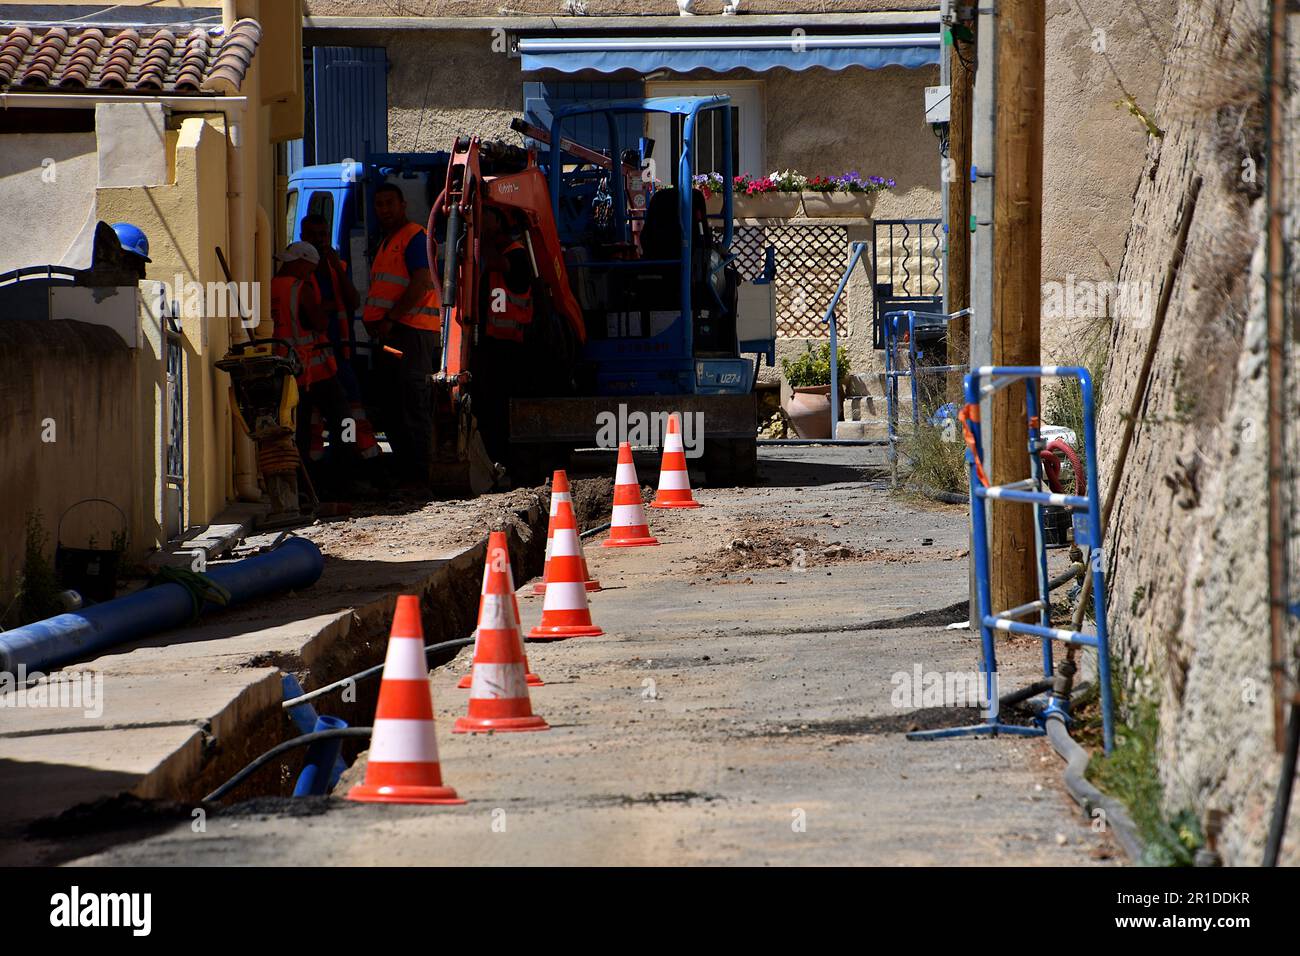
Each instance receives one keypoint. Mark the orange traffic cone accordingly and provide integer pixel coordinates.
(565, 612)
(560, 492)
(498, 694)
(403, 765)
(627, 526)
(674, 481)
(494, 542)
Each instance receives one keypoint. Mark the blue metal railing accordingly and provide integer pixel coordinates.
(892, 327)
(1086, 510)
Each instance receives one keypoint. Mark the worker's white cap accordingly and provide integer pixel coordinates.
(299, 250)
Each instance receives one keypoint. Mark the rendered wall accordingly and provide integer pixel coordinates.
(46, 180)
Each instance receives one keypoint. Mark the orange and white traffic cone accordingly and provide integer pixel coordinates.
(560, 492)
(627, 525)
(498, 693)
(403, 764)
(498, 539)
(565, 612)
(674, 481)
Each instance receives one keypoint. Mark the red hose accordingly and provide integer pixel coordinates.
(1052, 467)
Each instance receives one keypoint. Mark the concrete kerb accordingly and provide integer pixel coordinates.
(197, 713)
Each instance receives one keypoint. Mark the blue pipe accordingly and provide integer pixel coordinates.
(317, 777)
(305, 718)
(57, 640)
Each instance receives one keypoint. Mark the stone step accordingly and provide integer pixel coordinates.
(861, 431)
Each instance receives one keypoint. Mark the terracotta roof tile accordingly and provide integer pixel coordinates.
(146, 61)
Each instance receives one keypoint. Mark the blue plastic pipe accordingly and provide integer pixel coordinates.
(304, 717)
(57, 640)
(317, 775)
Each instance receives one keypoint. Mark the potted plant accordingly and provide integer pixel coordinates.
(847, 195)
(778, 196)
(809, 376)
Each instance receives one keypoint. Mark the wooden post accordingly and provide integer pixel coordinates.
(959, 208)
(1017, 295)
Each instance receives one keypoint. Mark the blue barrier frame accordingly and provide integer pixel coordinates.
(979, 383)
(893, 374)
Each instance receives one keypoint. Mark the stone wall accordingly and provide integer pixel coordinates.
(1187, 560)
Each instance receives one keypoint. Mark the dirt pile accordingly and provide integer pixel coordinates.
(759, 544)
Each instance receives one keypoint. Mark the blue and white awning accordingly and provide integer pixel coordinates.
(722, 54)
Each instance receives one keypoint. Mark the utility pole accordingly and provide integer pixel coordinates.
(961, 101)
(982, 138)
(1017, 289)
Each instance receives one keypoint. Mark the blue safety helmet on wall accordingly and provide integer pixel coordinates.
(133, 239)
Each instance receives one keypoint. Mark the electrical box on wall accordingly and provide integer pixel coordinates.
(937, 101)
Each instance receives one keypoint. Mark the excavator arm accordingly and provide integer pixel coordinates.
(512, 181)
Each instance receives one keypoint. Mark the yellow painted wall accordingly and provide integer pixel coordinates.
(185, 221)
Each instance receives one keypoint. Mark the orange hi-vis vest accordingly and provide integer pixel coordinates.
(340, 317)
(389, 280)
(515, 309)
(312, 347)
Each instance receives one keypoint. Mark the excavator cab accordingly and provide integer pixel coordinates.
(656, 278)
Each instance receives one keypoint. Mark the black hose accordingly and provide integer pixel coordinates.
(1033, 690)
(285, 747)
(947, 497)
(1085, 794)
(368, 672)
(590, 531)
(1285, 785)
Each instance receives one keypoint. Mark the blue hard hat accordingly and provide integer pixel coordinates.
(133, 239)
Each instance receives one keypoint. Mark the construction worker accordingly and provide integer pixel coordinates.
(135, 244)
(338, 298)
(503, 366)
(298, 318)
(403, 314)
(509, 272)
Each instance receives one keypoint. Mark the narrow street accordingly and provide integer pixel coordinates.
(742, 707)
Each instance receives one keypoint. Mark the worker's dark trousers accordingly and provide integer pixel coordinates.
(328, 397)
(408, 399)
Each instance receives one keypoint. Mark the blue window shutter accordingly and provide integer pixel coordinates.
(349, 102)
(541, 100)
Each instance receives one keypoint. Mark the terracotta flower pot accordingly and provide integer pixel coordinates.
(835, 205)
(768, 206)
(809, 411)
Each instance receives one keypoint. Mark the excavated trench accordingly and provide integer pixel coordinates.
(450, 608)
(450, 611)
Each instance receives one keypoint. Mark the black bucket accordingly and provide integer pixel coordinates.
(1056, 526)
(91, 572)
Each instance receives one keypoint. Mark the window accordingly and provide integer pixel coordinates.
(291, 215)
(541, 100)
(708, 143)
(322, 204)
(747, 125)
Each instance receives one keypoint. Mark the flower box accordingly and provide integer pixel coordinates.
(833, 205)
(769, 205)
